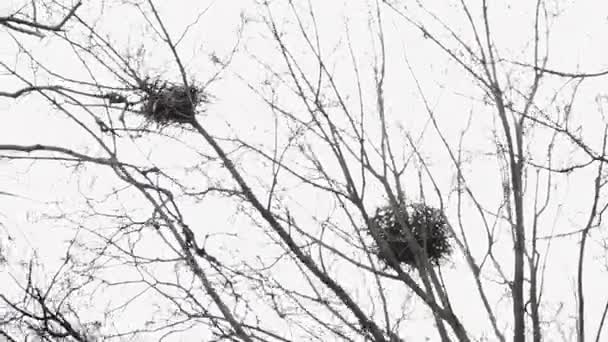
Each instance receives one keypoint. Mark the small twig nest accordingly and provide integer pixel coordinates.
(428, 226)
(166, 103)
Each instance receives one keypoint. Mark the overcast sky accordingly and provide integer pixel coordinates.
(50, 204)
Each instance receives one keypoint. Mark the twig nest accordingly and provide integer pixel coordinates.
(427, 225)
(166, 103)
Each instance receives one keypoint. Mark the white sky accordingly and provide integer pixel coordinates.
(577, 42)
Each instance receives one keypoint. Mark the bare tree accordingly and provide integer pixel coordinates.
(381, 151)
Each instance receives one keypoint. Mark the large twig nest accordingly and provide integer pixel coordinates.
(167, 103)
(427, 225)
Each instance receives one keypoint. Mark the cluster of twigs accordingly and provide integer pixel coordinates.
(166, 103)
(425, 225)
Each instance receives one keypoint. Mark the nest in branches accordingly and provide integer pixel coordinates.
(167, 103)
(426, 225)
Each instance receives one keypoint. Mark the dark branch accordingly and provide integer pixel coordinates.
(32, 27)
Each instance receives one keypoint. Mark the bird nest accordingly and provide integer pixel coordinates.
(428, 227)
(167, 103)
